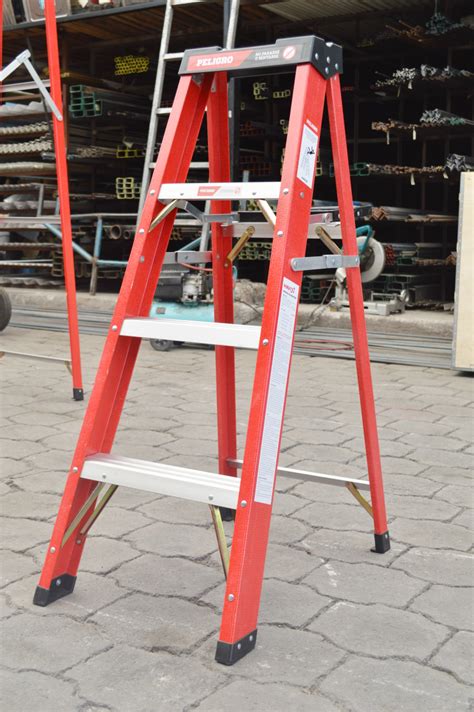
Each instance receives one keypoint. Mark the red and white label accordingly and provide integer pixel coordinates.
(202, 62)
(289, 52)
(207, 191)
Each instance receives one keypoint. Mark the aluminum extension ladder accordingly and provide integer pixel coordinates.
(94, 469)
(164, 56)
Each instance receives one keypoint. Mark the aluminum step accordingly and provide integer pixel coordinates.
(182, 482)
(268, 190)
(240, 336)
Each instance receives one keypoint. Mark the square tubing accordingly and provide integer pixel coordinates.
(356, 304)
(247, 560)
(219, 171)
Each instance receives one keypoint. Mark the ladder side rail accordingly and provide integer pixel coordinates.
(119, 353)
(219, 171)
(244, 583)
(64, 201)
(356, 304)
(156, 103)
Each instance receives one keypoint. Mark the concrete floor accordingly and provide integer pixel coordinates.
(340, 628)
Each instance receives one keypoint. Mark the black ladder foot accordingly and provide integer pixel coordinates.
(229, 653)
(60, 587)
(382, 543)
(78, 394)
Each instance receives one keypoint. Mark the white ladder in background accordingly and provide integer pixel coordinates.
(157, 109)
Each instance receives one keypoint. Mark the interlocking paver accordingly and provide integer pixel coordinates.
(394, 685)
(140, 628)
(379, 630)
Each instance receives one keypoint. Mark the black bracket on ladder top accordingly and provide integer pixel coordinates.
(280, 57)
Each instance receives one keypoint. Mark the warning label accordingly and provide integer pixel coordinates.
(307, 159)
(276, 394)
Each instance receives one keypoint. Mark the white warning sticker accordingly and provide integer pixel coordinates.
(308, 153)
(276, 393)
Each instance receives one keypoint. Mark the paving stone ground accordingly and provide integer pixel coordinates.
(341, 629)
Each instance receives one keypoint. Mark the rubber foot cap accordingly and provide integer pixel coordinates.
(382, 543)
(60, 586)
(78, 394)
(228, 515)
(229, 653)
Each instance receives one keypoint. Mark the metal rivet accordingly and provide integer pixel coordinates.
(294, 264)
(218, 257)
(316, 56)
(75, 469)
(285, 191)
(265, 342)
(250, 638)
(104, 477)
(239, 645)
(210, 498)
(243, 503)
(58, 582)
(230, 597)
(53, 550)
(280, 233)
(336, 65)
(152, 192)
(328, 60)
(326, 70)
(141, 231)
(301, 194)
(78, 541)
(142, 259)
(114, 327)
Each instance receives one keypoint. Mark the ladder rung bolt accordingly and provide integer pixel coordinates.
(243, 503)
(75, 469)
(230, 597)
(53, 550)
(285, 191)
(58, 582)
(264, 343)
(78, 541)
(280, 233)
(301, 194)
(141, 231)
(114, 328)
(152, 192)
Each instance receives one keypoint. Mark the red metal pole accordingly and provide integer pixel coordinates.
(356, 303)
(63, 191)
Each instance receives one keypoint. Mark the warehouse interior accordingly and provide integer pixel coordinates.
(408, 103)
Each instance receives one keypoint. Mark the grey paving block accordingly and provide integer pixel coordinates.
(437, 442)
(32, 504)
(117, 522)
(456, 656)
(167, 577)
(447, 567)
(21, 534)
(138, 681)
(48, 644)
(102, 555)
(285, 504)
(177, 511)
(395, 685)
(443, 457)
(421, 427)
(447, 475)
(155, 622)
(419, 508)
(363, 583)
(7, 609)
(398, 465)
(91, 592)
(282, 655)
(447, 605)
(19, 449)
(174, 540)
(336, 516)
(21, 691)
(289, 564)
(457, 494)
(388, 448)
(326, 453)
(392, 415)
(264, 698)
(352, 547)
(49, 482)
(32, 433)
(50, 459)
(285, 530)
(379, 630)
(410, 484)
(14, 566)
(435, 535)
(465, 519)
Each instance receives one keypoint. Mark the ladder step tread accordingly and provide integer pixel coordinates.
(269, 190)
(196, 332)
(162, 478)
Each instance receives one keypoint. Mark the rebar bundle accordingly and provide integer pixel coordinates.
(438, 117)
(36, 145)
(131, 64)
(457, 162)
(40, 127)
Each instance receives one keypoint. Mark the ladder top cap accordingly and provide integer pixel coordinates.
(278, 58)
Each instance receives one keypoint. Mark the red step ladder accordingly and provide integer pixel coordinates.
(94, 470)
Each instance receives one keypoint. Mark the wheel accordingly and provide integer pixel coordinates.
(161, 344)
(5, 309)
